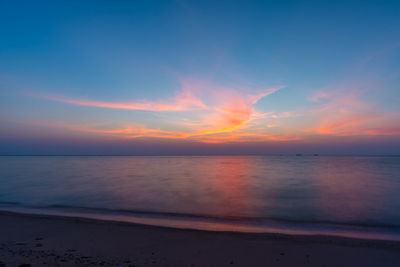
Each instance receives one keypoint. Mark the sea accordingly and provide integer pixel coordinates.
(350, 196)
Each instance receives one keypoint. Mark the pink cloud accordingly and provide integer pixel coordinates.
(183, 101)
(346, 113)
(216, 109)
(205, 112)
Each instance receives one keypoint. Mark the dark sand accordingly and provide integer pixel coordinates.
(60, 241)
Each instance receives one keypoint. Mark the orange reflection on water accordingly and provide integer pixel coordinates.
(233, 186)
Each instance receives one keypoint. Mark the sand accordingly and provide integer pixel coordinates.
(38, 240)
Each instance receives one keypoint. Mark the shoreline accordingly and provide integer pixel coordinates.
(217, 224)
(48, 240)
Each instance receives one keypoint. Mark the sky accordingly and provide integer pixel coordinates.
(199, 77)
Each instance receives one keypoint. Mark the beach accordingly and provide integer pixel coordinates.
(200, 133)
(42, 240)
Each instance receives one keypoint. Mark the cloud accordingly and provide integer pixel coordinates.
(140, 131)
(183, 101)
(210, 113)
(346, 112)
(214, 110)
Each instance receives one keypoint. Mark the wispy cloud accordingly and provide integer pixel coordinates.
(184, 100)
(204, 112)
(345, 112)
(215, 111)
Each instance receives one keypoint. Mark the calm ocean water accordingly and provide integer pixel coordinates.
(300, 194)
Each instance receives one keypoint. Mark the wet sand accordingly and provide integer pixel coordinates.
(38, 240)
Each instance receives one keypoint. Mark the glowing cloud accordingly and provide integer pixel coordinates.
(216, 110)
(205, 112)
(343, 112)
(183, 101)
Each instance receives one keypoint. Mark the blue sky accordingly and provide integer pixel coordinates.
(283, 75)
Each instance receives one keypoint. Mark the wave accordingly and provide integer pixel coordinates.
(214, 223)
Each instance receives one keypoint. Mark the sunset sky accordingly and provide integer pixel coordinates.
(199, 77)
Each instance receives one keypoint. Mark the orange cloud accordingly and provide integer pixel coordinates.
(216, 110)
(343, 126)
(231, 109)
(183, 101)
(128, 131)
(134, 131)
(345, 113)
(207, 113)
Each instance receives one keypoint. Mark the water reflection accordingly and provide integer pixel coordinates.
(232, 182)
(357, 189)
(331, 189)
